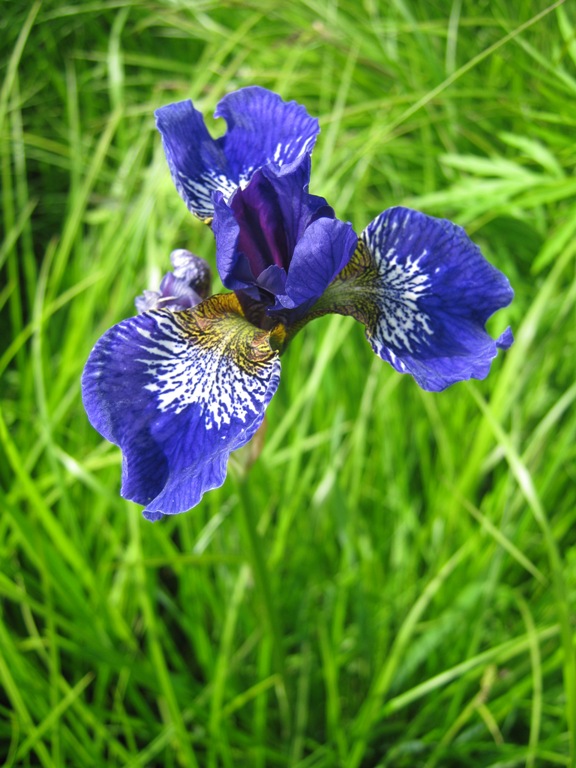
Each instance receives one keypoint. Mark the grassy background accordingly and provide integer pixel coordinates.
(408, 598)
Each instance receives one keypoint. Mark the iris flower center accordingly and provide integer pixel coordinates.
(263, 238)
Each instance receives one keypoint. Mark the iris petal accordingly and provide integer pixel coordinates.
(178, 392)
(263, 225)
(197, 162)
(262, 129)
(424, 292)
(323, 251)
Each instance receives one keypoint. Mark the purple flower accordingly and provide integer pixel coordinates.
(188, 380)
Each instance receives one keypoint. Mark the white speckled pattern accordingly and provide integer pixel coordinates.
(183, 372)
(401, 323)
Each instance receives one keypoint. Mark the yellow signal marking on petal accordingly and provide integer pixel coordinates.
(212, 357)
(357, 281)
(359, 266)
(352, 292)
(278, 337)
(219, 324)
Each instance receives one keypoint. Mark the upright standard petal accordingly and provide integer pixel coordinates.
(197, 162)
(424, 292)
(178, 391)
(262, 129)
(275, 237)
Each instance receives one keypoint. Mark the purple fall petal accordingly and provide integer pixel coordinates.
(433, 292)
(178, 392)
(262, 129)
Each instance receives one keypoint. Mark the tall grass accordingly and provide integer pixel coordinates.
(393, 582)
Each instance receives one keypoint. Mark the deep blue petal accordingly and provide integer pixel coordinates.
(263, 235)
(298, 208)
(262, 225)
(262, 129)
(323, 251)
(178, 392)
(233, 266)
(505, 340)
(273, 280)
(197, 162)
(434, 292)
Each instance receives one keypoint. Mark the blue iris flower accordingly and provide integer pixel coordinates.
(188, 380)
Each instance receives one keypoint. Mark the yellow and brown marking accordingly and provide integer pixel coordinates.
(220, 324)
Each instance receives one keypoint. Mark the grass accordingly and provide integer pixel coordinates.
(393, 582)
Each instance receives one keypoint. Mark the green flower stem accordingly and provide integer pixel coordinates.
(262, 580)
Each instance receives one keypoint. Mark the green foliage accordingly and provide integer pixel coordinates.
(392, 583)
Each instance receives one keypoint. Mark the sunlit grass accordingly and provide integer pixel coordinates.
(392, 583)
